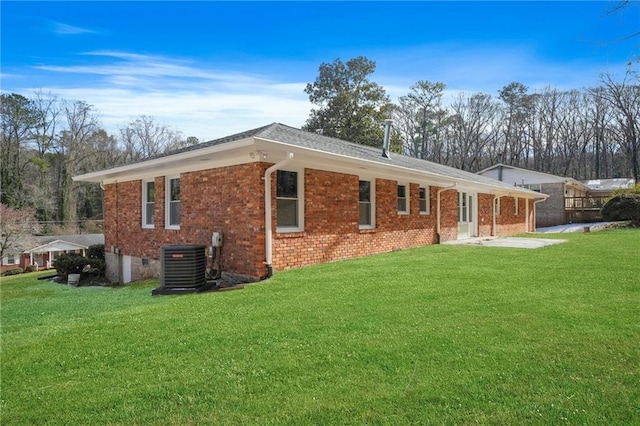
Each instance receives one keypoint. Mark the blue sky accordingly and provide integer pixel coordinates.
(210, 69)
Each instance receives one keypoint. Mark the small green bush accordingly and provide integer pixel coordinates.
(13, 271)
(96, 265)
(623, 207)
(96, 251)
(69, 264)
(31, 268)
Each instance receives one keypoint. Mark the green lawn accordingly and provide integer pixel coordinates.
(441, 334)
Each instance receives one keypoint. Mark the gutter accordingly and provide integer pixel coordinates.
(268, 228)
(446, 188)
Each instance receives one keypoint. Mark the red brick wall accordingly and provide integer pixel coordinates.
(485, 215)
(227, 200)
(231, 200)
(331, 222)
(507, 222)
(449, 212)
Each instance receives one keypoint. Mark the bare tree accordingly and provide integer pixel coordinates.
(144, 137)
(17, 121)
(16, 226)
(624, 98)
(471, 123)
(47, 111)
(73, 149)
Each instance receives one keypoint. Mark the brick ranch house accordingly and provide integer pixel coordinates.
(285, 198)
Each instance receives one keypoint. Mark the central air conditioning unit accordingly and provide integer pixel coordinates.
(183, 269)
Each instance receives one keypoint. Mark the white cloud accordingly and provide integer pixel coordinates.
(65, 29)
(196, 100)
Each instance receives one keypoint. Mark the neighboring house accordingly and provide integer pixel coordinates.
(10, 260)
(285, 198)
(569, 201)
(43, 250)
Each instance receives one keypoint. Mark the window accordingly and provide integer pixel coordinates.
(497, 205)
(403, 201)
(365, 201)
(148, 203)
(424, 200)
(534, 187)
(515, 207)
(11, 259)
(172, 208)
(289, 201)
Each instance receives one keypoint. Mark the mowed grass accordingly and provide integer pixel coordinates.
(441, 334)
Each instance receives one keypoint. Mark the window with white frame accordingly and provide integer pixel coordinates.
(515, 207)
(11, 259)
(172, 202)
(148, 203)
(403, 199)
(424, 200)
(289, 215)
(497, 205)
(366, 203)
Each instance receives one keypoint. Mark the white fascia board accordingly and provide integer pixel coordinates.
(340, 163)
(332, 162)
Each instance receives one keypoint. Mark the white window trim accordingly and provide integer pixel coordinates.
(407, 195)
(300, 227)
(167, 199)
(497, 206)
(427, 190)
(515, 208)
(144, 204)
(372, 188)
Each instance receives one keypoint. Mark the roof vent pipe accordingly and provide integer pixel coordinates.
(385, 142)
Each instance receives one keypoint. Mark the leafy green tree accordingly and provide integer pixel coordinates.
(519, 108)
(420, 118)
(348, 104)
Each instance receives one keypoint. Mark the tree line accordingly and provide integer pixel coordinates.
(47, 140)
(587, 133)
(581, 133)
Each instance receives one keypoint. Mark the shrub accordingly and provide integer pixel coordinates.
(12, 271)
(623, 207)
(69, 264)
(31, 268)
(96, 251)
(96, 265)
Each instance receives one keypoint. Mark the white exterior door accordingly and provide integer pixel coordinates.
(467, 215)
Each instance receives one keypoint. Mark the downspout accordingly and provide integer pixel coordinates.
(268, 228)
(446, 188)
